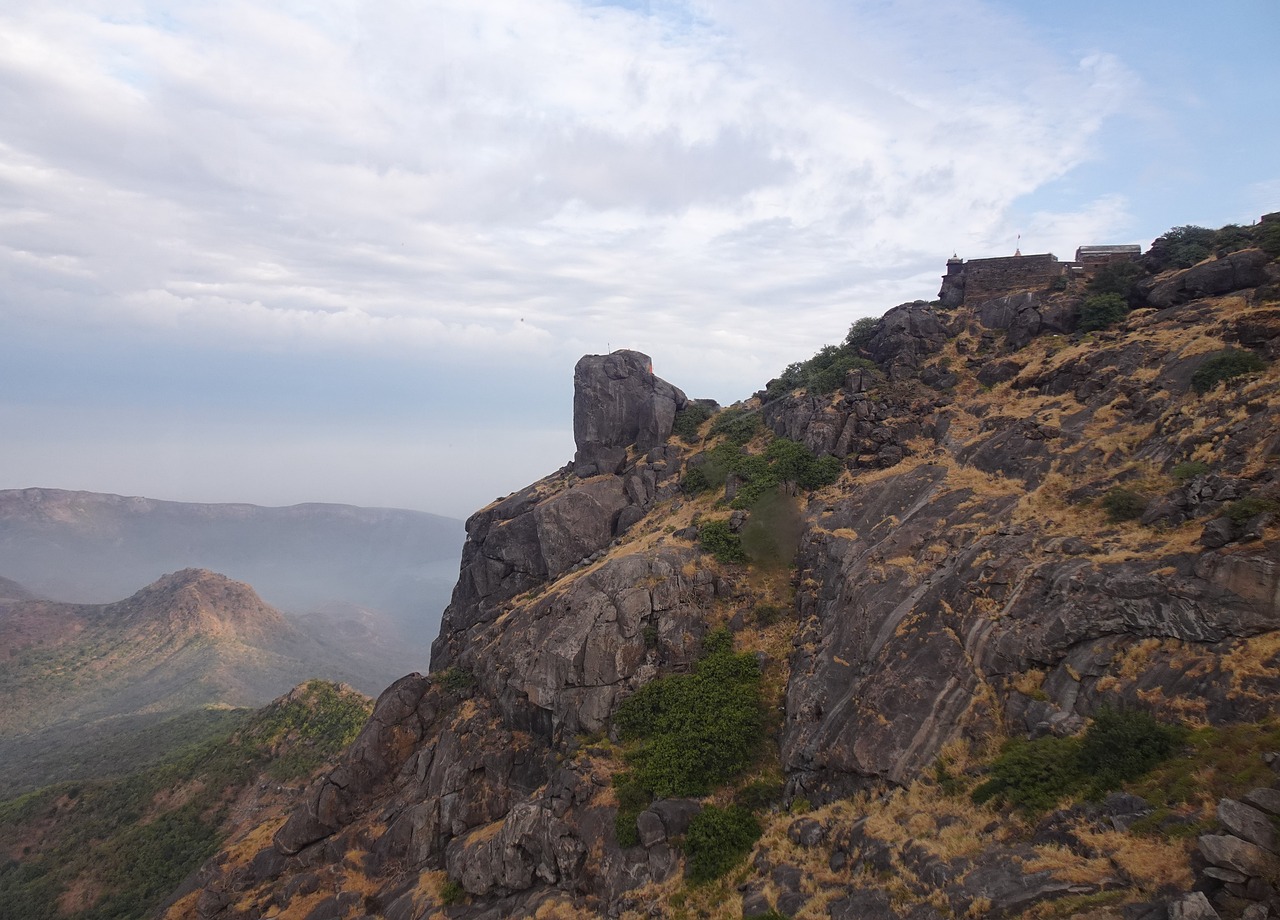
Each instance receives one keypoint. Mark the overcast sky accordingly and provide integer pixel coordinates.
(350, 251)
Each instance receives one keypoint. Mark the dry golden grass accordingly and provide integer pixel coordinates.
(1147, 863)
(1253, 658)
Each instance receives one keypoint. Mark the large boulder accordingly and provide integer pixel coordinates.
(619, 402)
(1233, 272)
(905, 336)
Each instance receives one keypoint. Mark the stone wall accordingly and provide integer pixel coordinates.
(978, 280)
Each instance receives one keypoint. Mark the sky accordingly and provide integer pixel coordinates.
(350, 251)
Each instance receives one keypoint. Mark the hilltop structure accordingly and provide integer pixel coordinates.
(977, 280)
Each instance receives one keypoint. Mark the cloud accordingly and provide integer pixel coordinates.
(505, 185)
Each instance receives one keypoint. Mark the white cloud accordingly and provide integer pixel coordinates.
(725, 185)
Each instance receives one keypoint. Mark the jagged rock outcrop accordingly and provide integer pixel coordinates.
(619, 403)
(961, 581)
(1236, 271)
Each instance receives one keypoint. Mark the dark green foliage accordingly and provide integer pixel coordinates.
(1123, 504)
(1268, 235)
(689, 420)
(948, 782)
(1232, 238)
(689, 733)
(861, 333)
(456, 680)
(718, 839)
(770, 914)
(1119, 278)
(760, 794)
(1101, 311)
(1180, 247)
(1120, 745)
(451, 892)
(782, 461)
(825, 372)
(766, 614)
(1033, 775)
(1226, 365)
(1241, 511)
(99, 825)
(632, 799)
(1185, 472)
(323, 715)
(716, 538)
(738, 425)
(695, 482)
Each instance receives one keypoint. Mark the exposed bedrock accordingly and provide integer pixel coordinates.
(915, 616)
(619, 402)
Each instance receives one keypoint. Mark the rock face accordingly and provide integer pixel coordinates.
(961, 582)
(618, 403)
(1236, 271)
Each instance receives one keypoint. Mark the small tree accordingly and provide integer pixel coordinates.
(1226, 365)
(1101, 311)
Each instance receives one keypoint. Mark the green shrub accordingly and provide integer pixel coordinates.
(861, 333)
(1185, 472)
(1120, 745)
(738, 425)
(716, 538)
(771, 537)
(1123, 744)
(718, 839)
(456, 680)
(1123, 504)
(1241, 511)
(782, 461)
(451, 892)
(632, 799)
(688, 733)
(1269, 237)
(1119, 278)
(695, 482)
(688, 421)
(760, 794)
(1226, 365)
(825, 372)
(1180, 247)
(1101, 311)
(1033, 775)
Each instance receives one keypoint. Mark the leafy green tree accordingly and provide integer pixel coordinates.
(1226, 365)
(718, 839)
(1102, 311)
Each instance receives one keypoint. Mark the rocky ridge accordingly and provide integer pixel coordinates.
(963, 581)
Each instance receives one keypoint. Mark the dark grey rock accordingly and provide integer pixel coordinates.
(1248, 823)
(790, 902)
(650, 828)
(1233, 853)
(675, 814)
(1267, 800)
(1193, 906)
(618, 403)
(863, 905)
(806, 832)
(1242, 269)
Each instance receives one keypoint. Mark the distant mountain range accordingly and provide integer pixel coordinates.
(381, 569)
(85, 682)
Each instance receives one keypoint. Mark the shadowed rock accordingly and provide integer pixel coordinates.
(617, 403)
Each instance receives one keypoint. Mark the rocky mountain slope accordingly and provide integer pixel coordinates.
(116, 847)
(387, 567)
(91, 690)
(904, 635)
